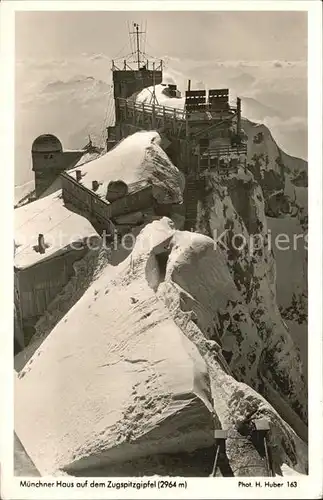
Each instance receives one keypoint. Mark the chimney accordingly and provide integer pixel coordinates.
(172, 89)
(95, 185)
(78, 175)
(41, 243)
(189, 86)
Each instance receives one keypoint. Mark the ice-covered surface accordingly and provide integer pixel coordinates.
(143, 377)
(136, 159)
(50, 217)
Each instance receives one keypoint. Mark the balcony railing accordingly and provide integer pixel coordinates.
(125, 65)
(151, 109)
(217, 151)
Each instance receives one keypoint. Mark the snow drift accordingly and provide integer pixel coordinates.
(151, 378)
(136, 160)
(143, 387)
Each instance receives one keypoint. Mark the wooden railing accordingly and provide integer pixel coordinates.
(131, 106)
(210, 160)
(89, 203)
(151, 109)
(217, 151)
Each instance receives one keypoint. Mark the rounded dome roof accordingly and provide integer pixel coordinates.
(47, 143)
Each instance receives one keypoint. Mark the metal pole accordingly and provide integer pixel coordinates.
(215, 460)
(154, 92)
(267, 457)
(189, 86)
(138, 51)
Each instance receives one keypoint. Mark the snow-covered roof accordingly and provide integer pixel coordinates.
(47, 216)
(135, 160)
(146, 96)
(87, 157)
(162, 99)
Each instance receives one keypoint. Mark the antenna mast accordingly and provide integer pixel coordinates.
(137, 33)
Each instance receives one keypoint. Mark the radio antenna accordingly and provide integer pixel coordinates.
(137, 33)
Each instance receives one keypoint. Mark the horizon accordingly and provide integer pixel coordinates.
(257, 35)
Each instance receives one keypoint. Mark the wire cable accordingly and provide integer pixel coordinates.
(120, 51)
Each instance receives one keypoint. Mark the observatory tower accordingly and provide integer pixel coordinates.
(49, 160)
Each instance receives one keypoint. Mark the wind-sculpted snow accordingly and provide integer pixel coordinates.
(143, 372)
(136, 159)
(132, 383)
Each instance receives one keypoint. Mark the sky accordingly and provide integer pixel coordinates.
(197, 35)
(57, 52)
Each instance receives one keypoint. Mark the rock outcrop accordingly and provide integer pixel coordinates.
(257, 343)
(284, 180)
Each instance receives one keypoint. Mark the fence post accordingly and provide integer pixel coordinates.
(134, 113)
